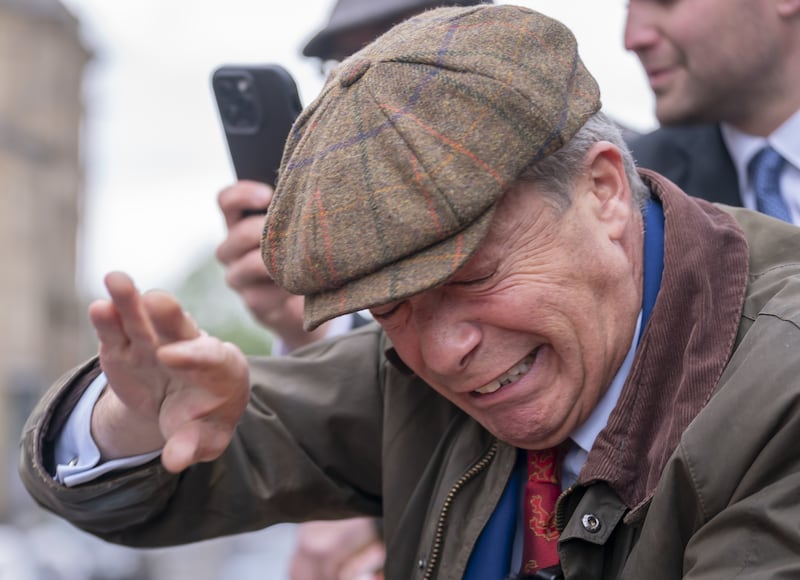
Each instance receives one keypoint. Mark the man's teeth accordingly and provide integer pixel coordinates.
(509, 377)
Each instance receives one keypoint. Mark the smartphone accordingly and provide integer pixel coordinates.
(257, 105)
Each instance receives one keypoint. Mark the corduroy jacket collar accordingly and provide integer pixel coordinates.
(684, 347)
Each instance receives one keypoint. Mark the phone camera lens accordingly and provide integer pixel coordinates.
(243, 85)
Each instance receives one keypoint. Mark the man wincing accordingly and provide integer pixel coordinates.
(547, 319)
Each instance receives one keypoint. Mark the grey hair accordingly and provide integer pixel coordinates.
(556, 173)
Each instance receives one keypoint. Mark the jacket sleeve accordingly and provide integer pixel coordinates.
(307, 447)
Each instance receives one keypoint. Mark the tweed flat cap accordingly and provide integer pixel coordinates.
(390, 177)
(350, 14)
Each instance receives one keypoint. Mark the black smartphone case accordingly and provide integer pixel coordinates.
(257, 105)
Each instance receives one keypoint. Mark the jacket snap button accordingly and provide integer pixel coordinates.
(591, 523)
(422, 563)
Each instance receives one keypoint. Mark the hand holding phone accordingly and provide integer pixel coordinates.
(257, 106)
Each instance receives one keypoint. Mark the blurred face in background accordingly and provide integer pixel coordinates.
(712, 60)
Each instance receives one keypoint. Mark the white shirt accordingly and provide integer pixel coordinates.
(786, 141)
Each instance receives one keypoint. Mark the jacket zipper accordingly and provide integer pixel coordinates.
(440, 524)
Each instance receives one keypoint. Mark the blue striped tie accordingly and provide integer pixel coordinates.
(765, 170)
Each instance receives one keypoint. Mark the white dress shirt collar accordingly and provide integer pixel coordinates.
(786, 141)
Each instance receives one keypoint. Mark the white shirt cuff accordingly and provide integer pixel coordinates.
(77, 455)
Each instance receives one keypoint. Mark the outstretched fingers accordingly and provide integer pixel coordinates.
(170, 323)
(168, 380)
(131, 316)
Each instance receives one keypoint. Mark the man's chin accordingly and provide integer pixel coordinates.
(522, 437)
(673, 111)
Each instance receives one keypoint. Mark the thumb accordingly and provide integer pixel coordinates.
(196, 441)
(180, 450)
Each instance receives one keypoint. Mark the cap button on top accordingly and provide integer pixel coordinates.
(353, 70)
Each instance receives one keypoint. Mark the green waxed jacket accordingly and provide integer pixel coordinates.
(696, 475)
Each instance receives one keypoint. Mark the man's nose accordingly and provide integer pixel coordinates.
(640, 31)
(447, 339)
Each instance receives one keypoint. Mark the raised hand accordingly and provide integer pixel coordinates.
(169, 384)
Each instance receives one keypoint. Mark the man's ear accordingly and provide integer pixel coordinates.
(609, 186)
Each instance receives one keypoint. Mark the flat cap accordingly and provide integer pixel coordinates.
(390, 177)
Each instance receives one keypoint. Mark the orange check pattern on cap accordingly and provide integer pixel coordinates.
(539, 548)
(390, 177)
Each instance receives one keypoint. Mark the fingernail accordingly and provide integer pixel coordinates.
(263, 194)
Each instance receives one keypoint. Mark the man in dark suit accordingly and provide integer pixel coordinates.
(725, 79)
(693, 156)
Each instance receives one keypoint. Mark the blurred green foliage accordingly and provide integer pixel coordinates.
(219, 310)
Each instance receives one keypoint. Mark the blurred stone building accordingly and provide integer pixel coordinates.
(42, 60)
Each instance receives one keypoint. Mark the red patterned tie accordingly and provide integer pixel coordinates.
(541, 492)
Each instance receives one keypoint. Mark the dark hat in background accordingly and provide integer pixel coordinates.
(348, 15)
(390, 177)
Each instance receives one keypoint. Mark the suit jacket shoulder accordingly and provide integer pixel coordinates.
(694, 157)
